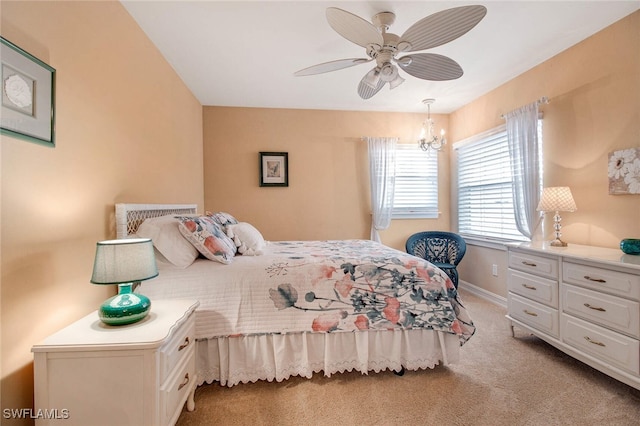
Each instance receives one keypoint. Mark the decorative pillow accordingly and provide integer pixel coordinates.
(208, 238)
(223, 219)
(168, 240)
(247, 238)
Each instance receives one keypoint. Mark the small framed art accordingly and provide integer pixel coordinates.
(27, 96)
(274, 169)
(624, 171)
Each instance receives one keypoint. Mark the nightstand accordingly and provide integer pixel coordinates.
(136, 374)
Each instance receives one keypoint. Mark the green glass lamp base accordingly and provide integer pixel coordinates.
(125, 308)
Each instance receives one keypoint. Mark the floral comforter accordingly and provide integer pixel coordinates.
(362, 285)
(316, 286)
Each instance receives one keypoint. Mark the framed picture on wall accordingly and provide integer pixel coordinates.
(27, 96)
(624, 171)
(274, 169)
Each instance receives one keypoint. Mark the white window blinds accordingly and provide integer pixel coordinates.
(485, 197)
(416, 191)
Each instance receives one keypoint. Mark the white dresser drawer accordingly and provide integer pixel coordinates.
(534, 314)
(607, 280)
(175, 349)
(533, 264)
(173, 392)
(610, 347)
(533, 287)
(620, 314)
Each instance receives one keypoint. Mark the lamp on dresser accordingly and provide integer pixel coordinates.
(557, 199)
(124, 262)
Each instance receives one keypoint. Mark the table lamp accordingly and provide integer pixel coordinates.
(124, 262)
(557, 199)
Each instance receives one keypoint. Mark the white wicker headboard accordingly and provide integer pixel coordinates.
(130, 216)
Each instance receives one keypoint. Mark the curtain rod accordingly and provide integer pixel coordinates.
(542, 100)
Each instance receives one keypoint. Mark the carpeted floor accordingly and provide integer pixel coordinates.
(500, 380)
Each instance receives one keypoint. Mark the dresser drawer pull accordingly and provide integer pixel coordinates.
(595, 308)
(533, 314)
(185, 382)
(524, 262)
(185, 344)
(595, 342)
(528, 287)
(598, 280)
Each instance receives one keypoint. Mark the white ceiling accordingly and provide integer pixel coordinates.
(244, 53)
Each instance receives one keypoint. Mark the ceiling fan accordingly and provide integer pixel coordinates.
(381, 46)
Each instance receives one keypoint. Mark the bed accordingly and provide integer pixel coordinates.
(278, 309)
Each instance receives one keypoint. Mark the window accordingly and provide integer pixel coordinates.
(416, 190)
(485, 199)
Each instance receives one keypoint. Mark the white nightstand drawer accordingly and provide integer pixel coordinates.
(174, 393)
(534, 314)
(613, 312)
(533, 287)
(614, 282)
(533, 264)
(606, 345)
(175, 349)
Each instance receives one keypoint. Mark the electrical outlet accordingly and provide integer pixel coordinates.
(494, 270)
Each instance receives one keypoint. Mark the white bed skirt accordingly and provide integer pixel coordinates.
(244, 359)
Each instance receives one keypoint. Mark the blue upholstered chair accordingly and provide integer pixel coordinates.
(443, 249)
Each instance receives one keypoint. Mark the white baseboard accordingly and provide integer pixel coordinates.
(480, 292)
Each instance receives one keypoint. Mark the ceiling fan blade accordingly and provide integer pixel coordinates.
(353, 28)
(331, 66)
(443, 27)
(430, 66)
(365, 90)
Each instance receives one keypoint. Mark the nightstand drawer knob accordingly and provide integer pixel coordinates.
(185, 382)
(533, 314)
(528, 287)
(595, 308)
(524, 262)
(598, 280)
(185, 344)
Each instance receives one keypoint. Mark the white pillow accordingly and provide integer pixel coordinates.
(247, 238)
(166, 237)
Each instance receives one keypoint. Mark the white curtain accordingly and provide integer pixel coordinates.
(522, 135)
(382, 161)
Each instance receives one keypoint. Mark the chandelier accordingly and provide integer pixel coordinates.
(428, 140)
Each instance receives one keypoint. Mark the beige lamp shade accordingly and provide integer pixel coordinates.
(557, 198)
(124, 261)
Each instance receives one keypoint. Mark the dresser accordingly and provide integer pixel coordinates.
(136, 374)
(583, 300)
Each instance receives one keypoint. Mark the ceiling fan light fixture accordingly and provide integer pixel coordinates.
(388, 72)
(372, 78)
(396, 82)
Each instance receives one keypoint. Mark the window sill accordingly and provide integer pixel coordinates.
(487, 243)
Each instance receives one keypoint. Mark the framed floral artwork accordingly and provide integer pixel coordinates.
(274, 169)
(27, 96)
(624, 171)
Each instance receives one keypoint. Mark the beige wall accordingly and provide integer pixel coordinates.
(594, 92)
(328, 193)
(128, 130)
